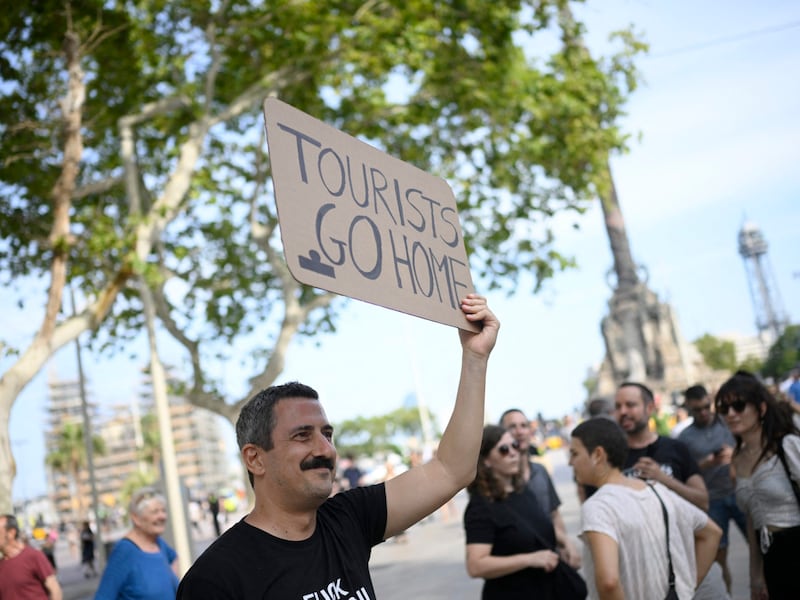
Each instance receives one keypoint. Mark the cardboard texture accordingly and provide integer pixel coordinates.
(358, 222)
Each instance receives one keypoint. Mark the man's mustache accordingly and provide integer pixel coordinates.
(318, 462)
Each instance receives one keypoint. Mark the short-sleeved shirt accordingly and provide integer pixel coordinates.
(634, 520)
(542, 487)
(703, 441)
(24, 575)
(673, 456)
(514, 525)
(133, 574)
(247, 562)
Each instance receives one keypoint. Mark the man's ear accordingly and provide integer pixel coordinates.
(252, 456)
(599, 455)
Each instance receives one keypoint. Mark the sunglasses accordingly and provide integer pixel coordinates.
(737, 406)
(701, 408)
(504, 449)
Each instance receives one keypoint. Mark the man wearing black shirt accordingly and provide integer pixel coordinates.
(301, 542)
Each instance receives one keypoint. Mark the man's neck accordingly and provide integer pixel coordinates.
(293, 526)
(642, 439)
(13, 549)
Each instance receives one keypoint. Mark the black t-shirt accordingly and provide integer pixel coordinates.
(674, 457)
(512, 526)
(246, 563)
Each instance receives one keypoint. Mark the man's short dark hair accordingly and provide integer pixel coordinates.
(257, 418)
(600, 407)
(646, 392)
(508, 412)
(695, 392)
(11, 524)
(606, 434)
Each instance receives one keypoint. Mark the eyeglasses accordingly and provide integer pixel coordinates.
(505, 448)
(701, 408)
(737, 406)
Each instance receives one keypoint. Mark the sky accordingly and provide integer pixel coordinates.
(715, 143)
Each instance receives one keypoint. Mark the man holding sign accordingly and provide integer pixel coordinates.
(299, 542)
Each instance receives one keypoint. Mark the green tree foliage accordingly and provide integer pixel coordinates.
(784, 354)
(133, 155)
(718, 354)
(69, 456)
(366, 436)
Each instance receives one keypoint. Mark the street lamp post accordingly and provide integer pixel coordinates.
(87, 439)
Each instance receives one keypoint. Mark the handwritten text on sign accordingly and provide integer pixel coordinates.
(361, 223)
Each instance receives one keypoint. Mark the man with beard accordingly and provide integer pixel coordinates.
(653, 457)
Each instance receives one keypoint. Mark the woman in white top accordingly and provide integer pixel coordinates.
(766, 462)
(623, 527)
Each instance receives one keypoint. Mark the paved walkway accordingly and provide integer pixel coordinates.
(429, 563)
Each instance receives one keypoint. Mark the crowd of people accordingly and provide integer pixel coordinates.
(655, 508)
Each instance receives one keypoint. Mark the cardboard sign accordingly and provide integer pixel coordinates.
(361, 223)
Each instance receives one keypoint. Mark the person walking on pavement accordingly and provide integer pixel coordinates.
(213, 508)
(25, 573)
(87, 550)
(711, 444)
(301, 542)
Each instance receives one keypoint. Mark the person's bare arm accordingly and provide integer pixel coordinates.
(481, 563)
(694, 490)
(758, 587)
(605, 556)
(53, 588)
(421, 490)
(706, 543)
(569, 553)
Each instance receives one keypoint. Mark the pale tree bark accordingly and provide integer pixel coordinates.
(44, 343)
(52, 335)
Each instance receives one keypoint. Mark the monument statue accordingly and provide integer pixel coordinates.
(641, 334)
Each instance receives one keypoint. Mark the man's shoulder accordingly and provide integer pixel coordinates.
(668, 443)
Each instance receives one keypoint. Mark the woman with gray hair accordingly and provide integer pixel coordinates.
(142, 565)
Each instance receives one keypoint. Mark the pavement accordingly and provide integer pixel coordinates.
(428, 562)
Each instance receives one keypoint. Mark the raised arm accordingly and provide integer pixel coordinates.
(421, 490)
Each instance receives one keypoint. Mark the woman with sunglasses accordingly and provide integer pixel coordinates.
(142, 565)
(510, 539)
(766, 462)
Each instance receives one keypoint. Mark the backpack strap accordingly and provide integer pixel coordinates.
(666, 526)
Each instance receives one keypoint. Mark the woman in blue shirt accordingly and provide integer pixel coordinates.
(142, 566)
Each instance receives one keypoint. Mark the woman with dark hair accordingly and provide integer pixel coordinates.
(510, 538)
(766, 462)
(623, 524)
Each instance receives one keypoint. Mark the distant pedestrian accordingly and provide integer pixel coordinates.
(351, 471)
(25, 573)
(213, 508)
(87, 550)
(49, 546)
